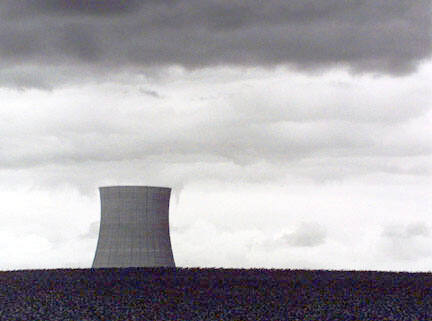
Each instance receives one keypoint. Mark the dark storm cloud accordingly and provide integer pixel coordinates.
(377, 36)
(65, 7)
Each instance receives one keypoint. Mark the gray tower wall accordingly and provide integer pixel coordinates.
(134, 227)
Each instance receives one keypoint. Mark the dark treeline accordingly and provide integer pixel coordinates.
(213, 294)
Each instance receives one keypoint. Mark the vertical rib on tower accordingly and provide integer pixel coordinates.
(134, 227)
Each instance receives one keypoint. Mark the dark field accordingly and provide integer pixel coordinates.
(213, 294)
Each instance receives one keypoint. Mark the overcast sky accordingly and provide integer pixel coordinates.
(295, 134)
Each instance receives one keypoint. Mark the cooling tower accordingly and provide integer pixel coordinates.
(134, 227)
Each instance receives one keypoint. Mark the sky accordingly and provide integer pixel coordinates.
(294, 134)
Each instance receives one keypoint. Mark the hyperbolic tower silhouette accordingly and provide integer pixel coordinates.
(134, 227)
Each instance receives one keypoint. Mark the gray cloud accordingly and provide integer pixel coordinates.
(93, 231)
(306, 235)
(409, 242)
(380, 128)
(366, 36)
(419, 229)
(149, 92)
(177, 138)
(24, 79)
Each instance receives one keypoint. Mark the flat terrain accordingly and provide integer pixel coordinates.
(213, 294)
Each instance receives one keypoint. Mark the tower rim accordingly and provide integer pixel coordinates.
(133, 186)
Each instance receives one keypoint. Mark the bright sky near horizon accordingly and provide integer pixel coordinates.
(295, 134)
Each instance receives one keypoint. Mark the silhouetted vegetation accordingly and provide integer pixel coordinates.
(213, 294)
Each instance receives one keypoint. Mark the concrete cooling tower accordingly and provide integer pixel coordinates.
(134, 227)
